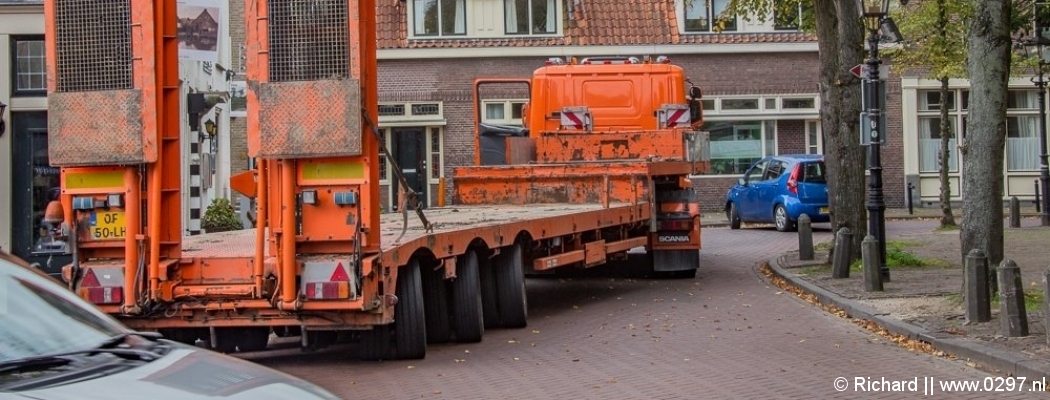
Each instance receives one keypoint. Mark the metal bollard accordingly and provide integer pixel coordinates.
(869, 250)
(975, 281)
(1046, 303)
(1015, 212)
(1013, 318)
(911, 201)
(805, 238)
(840, 264)
(1038, 204)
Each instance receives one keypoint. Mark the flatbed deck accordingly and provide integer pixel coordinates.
(496, 225)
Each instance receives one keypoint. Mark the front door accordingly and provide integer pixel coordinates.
(409, 152)
(35, 183)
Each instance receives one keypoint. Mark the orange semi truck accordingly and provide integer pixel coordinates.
(600, 169)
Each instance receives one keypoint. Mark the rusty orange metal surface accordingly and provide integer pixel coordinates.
(575, 183)
(560, 147)
(456, 229)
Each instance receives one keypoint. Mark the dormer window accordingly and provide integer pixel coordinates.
(700, 15)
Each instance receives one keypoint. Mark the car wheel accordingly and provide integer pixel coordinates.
(733, 216)
(781, 219)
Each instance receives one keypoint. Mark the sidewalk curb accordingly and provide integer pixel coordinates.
(998, 360)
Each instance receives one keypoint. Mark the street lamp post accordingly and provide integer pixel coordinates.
(1044, 170)
(1042, 40)
(874, 14)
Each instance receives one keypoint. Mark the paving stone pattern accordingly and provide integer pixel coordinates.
(725, 334)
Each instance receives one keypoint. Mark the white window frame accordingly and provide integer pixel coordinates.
(35, 43)
(415, 24)
(430, 130)
(508, 112)
(487, 19)
(683, 9)
(553, 5)
(813, 146)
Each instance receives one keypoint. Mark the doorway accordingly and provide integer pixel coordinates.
(35, 183)
(409, 149)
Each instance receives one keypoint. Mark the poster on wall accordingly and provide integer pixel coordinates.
(238, 99)
(198, 29)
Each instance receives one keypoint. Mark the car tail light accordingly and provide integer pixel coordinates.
(92, 290)
(793, 179)
(336, 287)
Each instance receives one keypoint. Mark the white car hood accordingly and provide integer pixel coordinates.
(184, 373)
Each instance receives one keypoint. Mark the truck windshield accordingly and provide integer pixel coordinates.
(39, 317)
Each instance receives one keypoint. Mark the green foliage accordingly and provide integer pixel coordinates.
(935, 34)
(898, 257)
(1033, 300)
(783, 12)
(220, 217)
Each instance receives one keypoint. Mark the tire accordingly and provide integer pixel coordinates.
(410, 332)
(406, 337)
(468, 323)
(733, 216)
(510, 287)
(489, 293)
(781, 219)
(435, 300)
(375, 344)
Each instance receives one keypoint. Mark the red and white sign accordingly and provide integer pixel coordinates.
(576, 118)
(674, 115)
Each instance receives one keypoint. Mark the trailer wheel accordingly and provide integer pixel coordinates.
(406, 338)
(435, 300)
(467, 315)
(374, 344)
(510, 287)
(410, 332)
(489, 293)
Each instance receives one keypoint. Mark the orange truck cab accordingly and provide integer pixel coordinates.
(611, 94)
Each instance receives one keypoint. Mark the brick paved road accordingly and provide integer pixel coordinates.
(726, 334)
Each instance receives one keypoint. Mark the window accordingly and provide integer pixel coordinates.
(700, 15)
(503, 112)
(1022, 143)
(740, 104)
(30, 66)
(930, 145)
(814, 141)
(530, 17)
(735, 145)
(384, 173)
(799, 104)
(435, 156)
(787, 15)
(439, 17)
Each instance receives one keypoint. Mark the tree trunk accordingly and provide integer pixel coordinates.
(947, 218)
(989, 66)
(840, 43)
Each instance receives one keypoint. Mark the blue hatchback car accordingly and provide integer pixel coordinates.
(779, 189)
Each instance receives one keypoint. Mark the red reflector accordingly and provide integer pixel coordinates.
(103, 295)
(327, 290)
(339, 275)
(90, 280)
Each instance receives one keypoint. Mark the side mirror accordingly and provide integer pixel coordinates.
(741, 182)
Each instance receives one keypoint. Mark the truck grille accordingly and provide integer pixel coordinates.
(308, 40)
(93, 45)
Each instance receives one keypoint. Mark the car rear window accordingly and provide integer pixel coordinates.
(813, 172)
